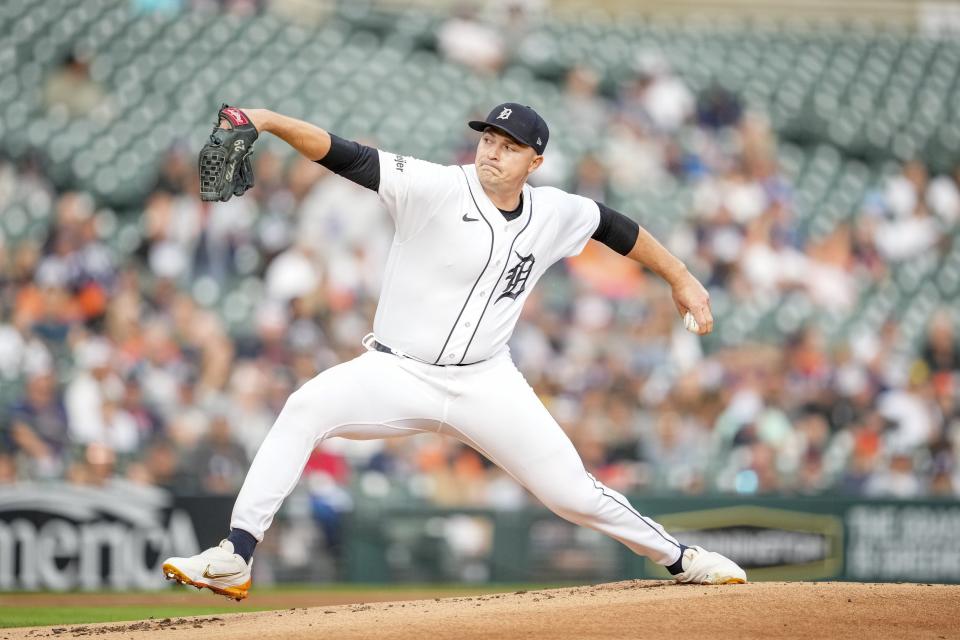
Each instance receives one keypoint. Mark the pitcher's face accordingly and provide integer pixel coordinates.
(502, 161)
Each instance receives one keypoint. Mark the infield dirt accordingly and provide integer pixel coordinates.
(632, 609)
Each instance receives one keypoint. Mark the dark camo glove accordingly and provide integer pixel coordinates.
(225, 168)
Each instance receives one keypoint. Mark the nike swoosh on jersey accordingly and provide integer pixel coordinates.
(214, 576)
(467, 218)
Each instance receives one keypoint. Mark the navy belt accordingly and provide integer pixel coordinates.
(379, 346)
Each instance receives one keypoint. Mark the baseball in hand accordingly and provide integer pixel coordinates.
(690, 323)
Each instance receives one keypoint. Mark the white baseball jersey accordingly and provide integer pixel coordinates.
(458, 272)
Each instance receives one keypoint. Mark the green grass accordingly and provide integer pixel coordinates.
(26, 614)
(46, 616)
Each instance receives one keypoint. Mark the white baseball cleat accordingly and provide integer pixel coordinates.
(218, 569)
(709, 567)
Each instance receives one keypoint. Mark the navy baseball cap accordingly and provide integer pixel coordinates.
(520, 122)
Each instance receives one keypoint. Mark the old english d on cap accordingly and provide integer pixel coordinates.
(519, 122)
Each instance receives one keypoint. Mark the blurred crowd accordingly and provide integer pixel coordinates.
(159, 352)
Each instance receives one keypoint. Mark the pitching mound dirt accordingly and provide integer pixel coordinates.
(633, 609)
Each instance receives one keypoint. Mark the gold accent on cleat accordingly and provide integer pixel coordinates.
(237, 593)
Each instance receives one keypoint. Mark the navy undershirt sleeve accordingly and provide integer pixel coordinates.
(353, 161)
(616, 230)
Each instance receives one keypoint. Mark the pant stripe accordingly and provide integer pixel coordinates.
(597, 485)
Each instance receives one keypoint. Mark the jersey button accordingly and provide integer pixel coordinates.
(483, 294)
(452, 356)
(466, 324)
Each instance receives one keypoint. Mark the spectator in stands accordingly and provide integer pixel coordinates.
(856, 452)
(338, 215)
(665, 99)
(896, 479)
(941, 349)
(248, 412)
(20, 349)
(943, 198)
(93, 402)
(909, 229)
(909, 412)
(326, 476)
(591, 179)
(38, 431)
(148, 424)
(71, 88)
(588, 112)
(160, 466)
(293, 274)
(718, 107)
(677, 450)
(467, 40)
(173, 228)
(47, 303)
(218, 461)
(8, 469)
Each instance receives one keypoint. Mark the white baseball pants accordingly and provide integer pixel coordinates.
(487, 405)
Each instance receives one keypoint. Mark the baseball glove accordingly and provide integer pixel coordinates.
(225, 168)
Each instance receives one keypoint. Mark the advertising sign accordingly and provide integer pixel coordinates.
(904, 542)
(60, 537)
(769, 543)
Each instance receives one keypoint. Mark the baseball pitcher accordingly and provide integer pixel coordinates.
(470, 243)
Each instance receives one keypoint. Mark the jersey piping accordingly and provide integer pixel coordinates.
(479, 276)
(502, 271)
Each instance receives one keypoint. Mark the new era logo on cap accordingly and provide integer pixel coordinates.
(519, 122)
